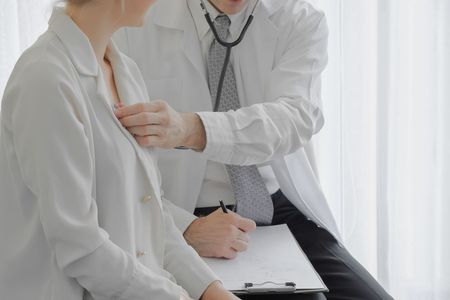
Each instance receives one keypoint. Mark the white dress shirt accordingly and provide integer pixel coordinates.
(216, 184)
(81, 214)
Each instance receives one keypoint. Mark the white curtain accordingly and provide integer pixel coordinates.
(384, 153)
(385, 150)
(21, 22)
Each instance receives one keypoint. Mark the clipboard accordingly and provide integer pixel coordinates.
(273, 264)
(270, 287)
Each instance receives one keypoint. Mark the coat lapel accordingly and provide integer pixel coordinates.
(76, 43)
(83, 58)
(260, 42)
(192, 49)
(175, 14)
(130, 92)
(265, 39)
(256, 56)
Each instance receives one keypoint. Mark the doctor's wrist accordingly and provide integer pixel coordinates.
(195, 132)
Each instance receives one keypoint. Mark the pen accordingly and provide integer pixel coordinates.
(224, 208)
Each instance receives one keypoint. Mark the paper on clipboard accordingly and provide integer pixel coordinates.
(274, 258)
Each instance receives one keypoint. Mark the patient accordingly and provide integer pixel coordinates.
(81, 215)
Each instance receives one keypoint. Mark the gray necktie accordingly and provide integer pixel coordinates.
(250, 192)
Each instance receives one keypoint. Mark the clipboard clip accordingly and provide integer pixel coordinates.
(270, 287)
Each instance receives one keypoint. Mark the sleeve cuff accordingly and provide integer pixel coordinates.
(199, 278)
(181, 217)
(219, 136)
(159, 289)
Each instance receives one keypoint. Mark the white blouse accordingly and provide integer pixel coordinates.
(81, 214)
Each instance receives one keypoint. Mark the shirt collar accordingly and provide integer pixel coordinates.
(78, 46)
(237, 20)
(75, 42)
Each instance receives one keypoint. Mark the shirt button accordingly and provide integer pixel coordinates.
(140, 253)
(146, 199)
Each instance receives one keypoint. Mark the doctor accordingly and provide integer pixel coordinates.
(255, 152)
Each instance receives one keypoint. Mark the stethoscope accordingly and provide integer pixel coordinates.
(228, 45)
(228, 54)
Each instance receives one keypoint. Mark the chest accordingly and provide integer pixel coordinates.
(110, 82)
(123, 169)
(127, 181)
(175, 68)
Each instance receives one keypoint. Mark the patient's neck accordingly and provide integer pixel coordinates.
(98, 23)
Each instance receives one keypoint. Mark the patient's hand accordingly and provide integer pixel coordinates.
(219, 234)
(216, 291)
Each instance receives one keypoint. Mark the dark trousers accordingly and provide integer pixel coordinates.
(343, 275)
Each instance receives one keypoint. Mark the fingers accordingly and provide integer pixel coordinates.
(147, 130)
(237, 239)
(141, 119)
(242, 236)
(246, 225)
(154, 106)
(232, 217)
(236, 245)
(156, 124)
(219, 234)
(229, 253)
(239, 245)
(150, 141)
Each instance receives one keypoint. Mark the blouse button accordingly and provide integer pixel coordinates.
(140, 253)
(146, 199)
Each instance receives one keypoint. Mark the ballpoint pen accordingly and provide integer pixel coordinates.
(224, 208)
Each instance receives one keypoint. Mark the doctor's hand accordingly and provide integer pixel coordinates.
(157, 124)
(219, 234)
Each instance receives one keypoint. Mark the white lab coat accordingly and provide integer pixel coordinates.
(81, 215)
(281, 59)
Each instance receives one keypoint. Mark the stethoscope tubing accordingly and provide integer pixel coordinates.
(228, 45)
(222, 79)
(213, 27)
